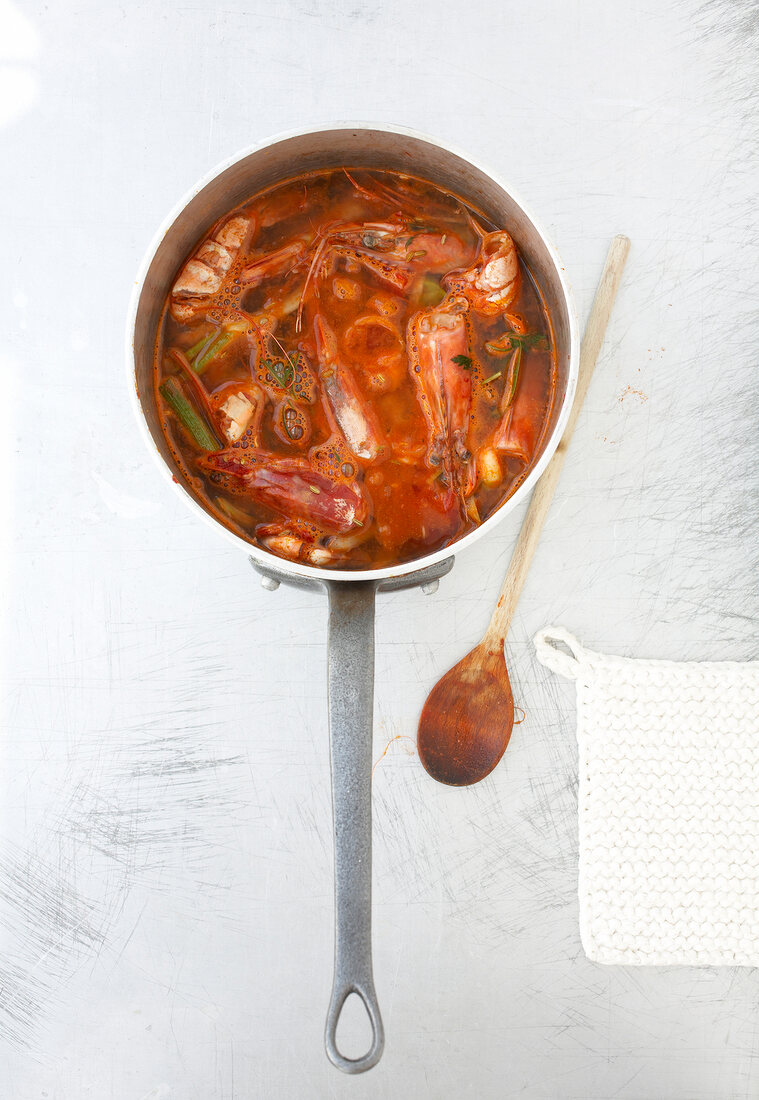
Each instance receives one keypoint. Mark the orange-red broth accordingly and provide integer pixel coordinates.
(413, 509)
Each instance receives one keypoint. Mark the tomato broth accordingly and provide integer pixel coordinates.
(354, 368)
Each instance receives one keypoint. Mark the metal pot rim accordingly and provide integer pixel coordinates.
(316, 573)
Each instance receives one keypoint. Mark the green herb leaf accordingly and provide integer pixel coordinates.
(534, 340)
(281, 372)
(292, 422)
(462, 361)
(507, 343)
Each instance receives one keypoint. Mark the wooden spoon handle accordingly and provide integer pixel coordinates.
(544, 490)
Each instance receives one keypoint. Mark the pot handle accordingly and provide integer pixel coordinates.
(351, 705)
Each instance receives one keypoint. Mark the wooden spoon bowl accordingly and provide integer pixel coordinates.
(467, 720)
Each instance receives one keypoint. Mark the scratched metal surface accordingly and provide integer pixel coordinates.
(165, 846)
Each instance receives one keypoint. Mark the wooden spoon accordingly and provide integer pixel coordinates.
(467, 720)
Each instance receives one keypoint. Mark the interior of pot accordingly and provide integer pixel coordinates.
(329, 149)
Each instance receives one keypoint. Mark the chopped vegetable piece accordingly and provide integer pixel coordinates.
(173, 394)
(196, 348)
(197, 389)
(290, 303)
(208, 356)
(473, 511)
(431, 293)
(239, 515)
(512, 378)
(462, 361)
(489, 466)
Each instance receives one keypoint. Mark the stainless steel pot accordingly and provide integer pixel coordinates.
(351, 594)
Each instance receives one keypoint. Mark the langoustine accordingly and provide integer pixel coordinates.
(350, 413)
(290, 486)
(490, 287)
(400, 244)
(440, 364)
(390, 251)
(439, 350)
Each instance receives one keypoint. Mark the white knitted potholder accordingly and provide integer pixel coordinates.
(668, 805)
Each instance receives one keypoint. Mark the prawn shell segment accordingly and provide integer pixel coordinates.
(493, 282)
(239, 410)
(201, 279)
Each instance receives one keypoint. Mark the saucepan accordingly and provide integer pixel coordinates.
(351, 594)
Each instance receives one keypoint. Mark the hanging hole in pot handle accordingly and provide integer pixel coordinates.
(368, 999)
(549, 654)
